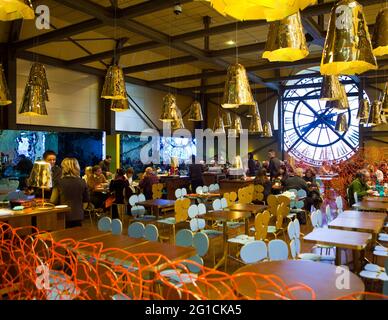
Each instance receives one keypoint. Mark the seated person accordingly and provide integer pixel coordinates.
(263, 179)
(296, 182)
(309, 176)
(96, 187)
(360, 186)
(149, 178)
(88, 173)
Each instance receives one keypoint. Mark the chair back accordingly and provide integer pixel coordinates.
(184, 238)
(151, 232)
(199, 190)
(194, 267)
(136, 230)
(141, 197)
(258, 192)
(224, 203)
(295, 248)
(182, 209)
(301, 193)
(133, 200)
(253, 252)
(157, 190)
(201, 243)
(355, 197)
(105, 224)
(277, 250)
(328, 213)
(117, 227)
(217, 205)
(261, 225)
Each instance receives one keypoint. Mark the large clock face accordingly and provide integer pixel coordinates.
(309, 128)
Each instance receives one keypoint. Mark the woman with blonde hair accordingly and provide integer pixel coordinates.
(71, 191)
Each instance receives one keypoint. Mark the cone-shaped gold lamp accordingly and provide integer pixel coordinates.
(35, 93)
(16, 9)
(363, 111)
(341, 104)
(286, 40)
(114, 85)
(253, 110)
(237, 91)
(260, 9)
(342, 123)
(255, 125)
(5, 96)
(219, 126)
(119, 105)
(348, 48)
(195, 112)
(227, 118)
(177, 123)
(236, 127)
(380, 34)
(267, 130)
(169, 103)
(332, 89)
(384, 102)
(375, 113)
(33, 102)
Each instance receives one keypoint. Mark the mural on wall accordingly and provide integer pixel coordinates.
(130, 152)
(131, 146)
(19, 149)
(86, 147)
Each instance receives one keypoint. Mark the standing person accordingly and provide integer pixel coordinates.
(195, 174)
(105, 166)
(129, 176)
(72, 191)
(56, 172)
(24, 167)
(359, 186)
(148, 179)
(120, 188)
(274, 164)
(252, 166)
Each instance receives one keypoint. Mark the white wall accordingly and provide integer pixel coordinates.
(73, 96)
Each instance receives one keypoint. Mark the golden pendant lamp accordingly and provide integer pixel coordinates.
(253, 110)
(342, 123)
(219, 128)
(195, 113)
(236, 127)
(375, 113)
(5, 96)
(342, 104)
(119, 105)
(269, 10)
(177, 123)
(255, 125)
(267, 130)
(380, 34)
(332, 89)
(363, 111)
(16, 9)
(348, 48)
(237, 91)
(169, 103)
(226, 117)
(114, 85)
(35, 93)
(286, 40)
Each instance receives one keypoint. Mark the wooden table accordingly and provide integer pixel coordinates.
(116, 241)
(157, 205)
(171, 252)
(252, 208)
(375, 198)
(229, 185)
(356, 241)
(321, 277)
(225, 216)
(371, 206)
(48, 219)
(202, 198)
(372, 215)
(77, 234)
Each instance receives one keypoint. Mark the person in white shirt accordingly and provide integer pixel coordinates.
(129, 176)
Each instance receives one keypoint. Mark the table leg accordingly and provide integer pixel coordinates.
(247, 227)
(356, 261)
(337, 256)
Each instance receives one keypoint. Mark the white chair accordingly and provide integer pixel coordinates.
(178, 193)
(224, 203)
(216, 187)
(184, 192)
(141, 197)
(374, 272)
(196, 223)
(151, 232)
(105, 224)
(136, 230)
(199, 190)
(211, 188)
(293, 230)
(253, 252)
(184, 238)
(217, 205)
(328, 214)
(205, 189)
(117, 227)
(277, 250)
